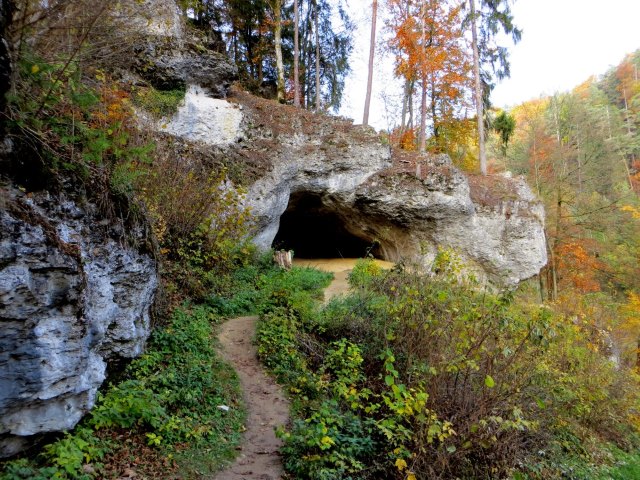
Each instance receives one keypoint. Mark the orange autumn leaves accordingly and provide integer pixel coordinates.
(579, 267)
(429, 48)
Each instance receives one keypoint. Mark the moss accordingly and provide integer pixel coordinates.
(158, 103)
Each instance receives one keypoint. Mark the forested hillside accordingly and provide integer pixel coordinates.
(580, 151)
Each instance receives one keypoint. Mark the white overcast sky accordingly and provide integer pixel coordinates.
(563, 43)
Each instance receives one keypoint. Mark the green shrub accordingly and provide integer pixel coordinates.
(451, 382)
(330, 444)
(81, 128)
(296, 290)
(72, 451)
(277, 346)
(23, 469)
(127, 405)
(363, 272)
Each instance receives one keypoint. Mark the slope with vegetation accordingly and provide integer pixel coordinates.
(415, 374)
(422, 375)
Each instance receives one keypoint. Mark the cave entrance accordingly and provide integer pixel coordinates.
(314, 230)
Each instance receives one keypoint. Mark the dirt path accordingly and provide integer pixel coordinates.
(267, 406)
(340, 267)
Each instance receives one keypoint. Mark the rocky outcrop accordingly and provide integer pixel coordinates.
(404, 213)
(206, 120)
(74, 296)
(170, 56)
(316, 183)
(326, 187)
(76, 288)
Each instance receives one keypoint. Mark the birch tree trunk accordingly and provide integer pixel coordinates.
(478, 88)
(296, 54)
(372, 47)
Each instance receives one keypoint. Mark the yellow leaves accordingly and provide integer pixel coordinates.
(489, 381)
(635, 213)
(34, 69)
(401, 465)
(326, 442)
(631, 311)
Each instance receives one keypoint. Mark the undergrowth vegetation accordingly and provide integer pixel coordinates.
(168, 400)
(423, 376)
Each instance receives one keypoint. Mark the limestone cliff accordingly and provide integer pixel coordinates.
(322, 186)
(73, 297)
(76, 288)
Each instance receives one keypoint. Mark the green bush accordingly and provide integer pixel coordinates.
(364, 271)
(450, 381)
(329, 444)
(82, 128)
(296, 290)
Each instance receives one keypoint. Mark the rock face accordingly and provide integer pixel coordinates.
(203, 119)
(326, 188)
(73, 297)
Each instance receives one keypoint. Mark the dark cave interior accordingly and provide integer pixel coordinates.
(312, 230)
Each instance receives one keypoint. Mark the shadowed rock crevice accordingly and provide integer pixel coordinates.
(315, 227)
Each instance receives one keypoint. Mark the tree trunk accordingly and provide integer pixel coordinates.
(423, 103)
(260, 66)
(277, 10)
(423, 117)
(410, 123)
(315, 19)
(296, 54)
(405, 101)
(372, 47)
(434, 113)
(478, 88)
(305, 85)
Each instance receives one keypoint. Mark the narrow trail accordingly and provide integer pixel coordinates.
(267, 406)
(340, 267)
